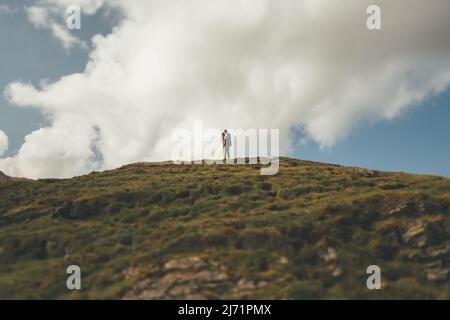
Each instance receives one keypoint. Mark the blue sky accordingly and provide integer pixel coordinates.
(418, 141)
(31, 55)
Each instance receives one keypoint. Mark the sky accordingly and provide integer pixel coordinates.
(418, 142)
(111, 93)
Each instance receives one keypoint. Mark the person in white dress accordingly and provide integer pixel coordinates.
(226, 144)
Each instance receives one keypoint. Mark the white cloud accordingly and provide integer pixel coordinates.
(52, 15)
(3, 142)
(311, 64)
(42, 17)
(38, 16)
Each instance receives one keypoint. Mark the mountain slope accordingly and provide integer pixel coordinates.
(159, 231)
(4, 178)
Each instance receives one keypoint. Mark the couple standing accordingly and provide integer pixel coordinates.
(226, 144)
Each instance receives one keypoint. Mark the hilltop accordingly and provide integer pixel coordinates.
(163, 231)
(4, 178)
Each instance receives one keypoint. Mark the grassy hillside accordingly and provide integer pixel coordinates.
(156, 231)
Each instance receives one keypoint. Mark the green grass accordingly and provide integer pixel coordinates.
(270, 231)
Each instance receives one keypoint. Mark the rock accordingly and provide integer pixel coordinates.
(414, 233)
(434, 264)
(153, 294)
(397, 210)
(425, 234)
(169, 280)
(262, 284)
(435, 272)
(244, 285)
(213, 276)
(284, 260)
(193, 262)
(422, 242)
(179, 278)
(245, 288)
(404, 208)
(329, 255)
(337, 272)
(442, 251)
(180, 291)
(131, 273)
(366, 173)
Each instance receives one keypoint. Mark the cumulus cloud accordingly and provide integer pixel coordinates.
(41, 17)
(3, 142)
(52, 14)
(310, 66)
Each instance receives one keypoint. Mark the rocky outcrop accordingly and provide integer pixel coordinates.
(435, 272)
(427, 243)
(183, 278)
(415, 234)
(366, 173)
(189, 278)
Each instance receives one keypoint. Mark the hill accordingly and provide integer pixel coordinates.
(162, 231)
(4, 178)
